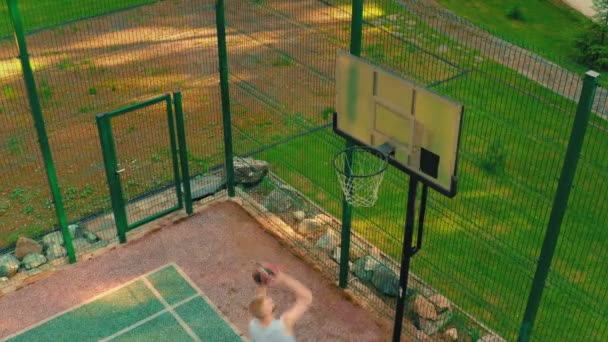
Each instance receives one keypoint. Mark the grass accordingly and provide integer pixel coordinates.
(48, 13)
(481, 246)
(9, 92)
(15, 146)
(536, 30)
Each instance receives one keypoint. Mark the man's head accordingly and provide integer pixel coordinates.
(261, 307)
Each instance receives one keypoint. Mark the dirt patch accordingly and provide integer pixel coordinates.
(281, 60)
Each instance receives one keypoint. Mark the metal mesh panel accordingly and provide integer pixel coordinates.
(122, 53)
(143, 149)
(26, 207)
(480, 248)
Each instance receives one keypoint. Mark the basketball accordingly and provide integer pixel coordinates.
(263, 273)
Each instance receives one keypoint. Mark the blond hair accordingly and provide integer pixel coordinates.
(255, 307)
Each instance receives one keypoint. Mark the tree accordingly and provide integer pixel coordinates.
(591, 45)
(601, 17)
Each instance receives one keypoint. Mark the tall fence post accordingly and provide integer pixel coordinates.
(560, 202)
(43, 141)
(183, 150)
(224, 87)
(347, 210)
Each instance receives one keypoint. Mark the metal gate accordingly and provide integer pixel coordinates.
(145, 158)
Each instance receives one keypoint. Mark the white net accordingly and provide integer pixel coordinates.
(360, 171)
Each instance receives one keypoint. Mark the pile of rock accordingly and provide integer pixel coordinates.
(365, 262)
(247, 172)
(430, 315)
(283, 199)
(29, 254)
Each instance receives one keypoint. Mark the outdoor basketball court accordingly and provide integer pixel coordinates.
(184, 281)
(161, 305)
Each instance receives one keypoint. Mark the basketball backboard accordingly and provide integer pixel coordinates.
(378, 108)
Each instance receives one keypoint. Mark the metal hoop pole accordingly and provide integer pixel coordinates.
(406, 255)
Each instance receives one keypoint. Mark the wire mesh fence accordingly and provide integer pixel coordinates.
(518, 117)
(480, 249)
(123, 53)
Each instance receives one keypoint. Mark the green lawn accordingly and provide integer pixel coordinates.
(481, 247)
(549, 27)
(38, 14)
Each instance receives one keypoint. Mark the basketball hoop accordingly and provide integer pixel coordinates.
(361, 176)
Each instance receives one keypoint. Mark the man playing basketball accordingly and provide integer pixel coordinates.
(264, 327)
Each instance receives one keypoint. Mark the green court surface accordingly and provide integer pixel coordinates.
(159, 306)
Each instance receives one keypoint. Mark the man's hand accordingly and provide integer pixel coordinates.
(303, 299)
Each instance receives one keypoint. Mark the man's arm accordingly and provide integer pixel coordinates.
(303, 300)
(261, 291)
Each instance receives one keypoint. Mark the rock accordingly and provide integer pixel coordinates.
(80, 244)
(324, 219)
(364, 268)
(376, 253)
(329, 241)
(278, 201)
(299, 216)
(335, 254)
(26, 246)
(441, 303)
(491, 338)
(357, 252)
(9, 265)
(54, 238)
(33, 260)
(3, 279)
(310, 228)
(248, 171)
(90, 237)
(75, 230)
(205, 185)
(55, 251)
(385, 280)
(451, 334)
(443, 48)
(100, 223)
(424, 309)
(106, 234)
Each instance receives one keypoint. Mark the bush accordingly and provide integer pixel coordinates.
(516, 13)
(494, 159)
(591, 52)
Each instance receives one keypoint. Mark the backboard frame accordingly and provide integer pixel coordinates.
(427, 179)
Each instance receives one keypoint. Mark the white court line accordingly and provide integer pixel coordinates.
(143, 321)
(209, 302)
(168, 307)
(130, 282)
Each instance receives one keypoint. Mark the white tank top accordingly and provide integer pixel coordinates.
(274, 332)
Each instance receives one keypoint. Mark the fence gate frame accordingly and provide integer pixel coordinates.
(179, 160)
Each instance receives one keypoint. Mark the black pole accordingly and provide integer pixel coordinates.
(421, 214)
(406, 255)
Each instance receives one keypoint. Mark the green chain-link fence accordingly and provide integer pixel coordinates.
(91, 58)
(480, 249)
